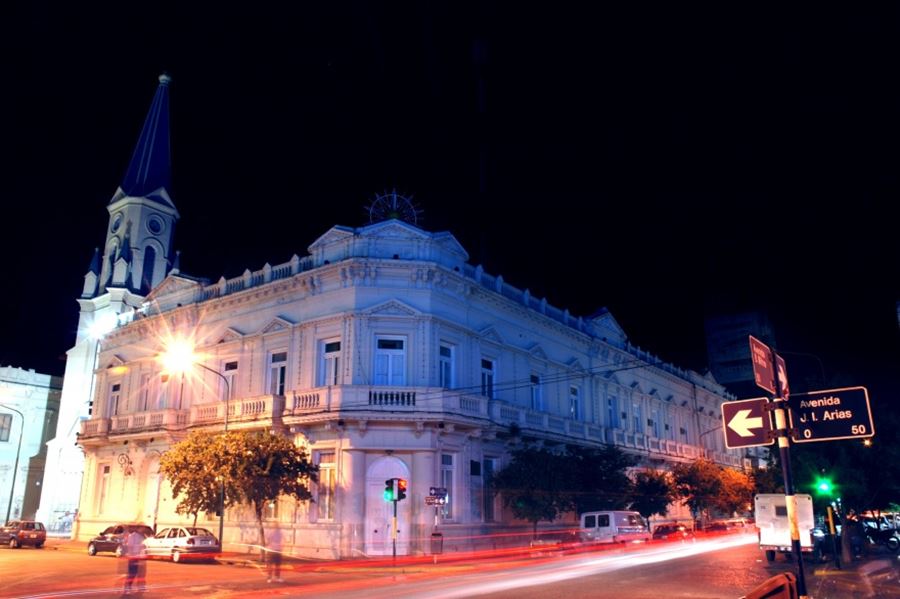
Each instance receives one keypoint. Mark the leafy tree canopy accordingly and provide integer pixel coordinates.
(652, 493)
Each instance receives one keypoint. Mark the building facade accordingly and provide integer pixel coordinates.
(383, 353)
(29, 405)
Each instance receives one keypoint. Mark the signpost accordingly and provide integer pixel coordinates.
(810, 417)
(747, 423)
(831, 415)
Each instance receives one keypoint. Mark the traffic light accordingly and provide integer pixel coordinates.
(824, 486)
(390, 493)
(401, 489)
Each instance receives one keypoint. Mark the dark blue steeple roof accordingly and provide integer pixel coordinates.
(150, 168)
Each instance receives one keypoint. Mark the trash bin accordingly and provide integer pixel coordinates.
(437, 543)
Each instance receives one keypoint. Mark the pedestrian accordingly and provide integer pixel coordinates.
(133, 550)
(273, 556)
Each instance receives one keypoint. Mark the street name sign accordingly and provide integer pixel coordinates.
(831, 415)
(436, 496)
(764, 368)
(747, 423)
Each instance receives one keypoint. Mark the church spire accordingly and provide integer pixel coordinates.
(142, 216)
(149, 173)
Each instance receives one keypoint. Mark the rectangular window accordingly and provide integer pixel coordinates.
(447, 483)
(144, 397)
(103, 490)
(447, 374)
(5, 426)
(488, 476)
(537, 399)
(638, 421)
(162, 398)
(487, 378)
(277, 372)
(112, 404)
(612, 406)
(231, 374)
(574, 402)
(654, 423)
(327, 479)
(390, 361)
(329, 363)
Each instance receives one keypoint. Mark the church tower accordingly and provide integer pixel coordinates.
(136, 256)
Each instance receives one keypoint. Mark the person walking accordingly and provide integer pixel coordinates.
(133, 550)
(273, 556)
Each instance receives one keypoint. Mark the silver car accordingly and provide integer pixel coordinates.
(179, 542)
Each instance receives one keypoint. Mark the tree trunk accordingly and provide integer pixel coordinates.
(195, 519)
(262, 531)
(534, 530)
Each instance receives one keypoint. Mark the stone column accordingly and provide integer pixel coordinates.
(422, 516)
(351, 497)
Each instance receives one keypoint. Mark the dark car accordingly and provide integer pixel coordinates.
(671, 531)
(23, 532)
(112, 538)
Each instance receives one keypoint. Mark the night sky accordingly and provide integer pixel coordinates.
(663, 162)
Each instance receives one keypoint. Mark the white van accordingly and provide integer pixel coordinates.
(614, 526)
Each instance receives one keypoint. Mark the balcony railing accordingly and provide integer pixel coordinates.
(360, 399)
(239, 410)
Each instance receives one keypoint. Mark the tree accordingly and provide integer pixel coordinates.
(257, 468)
(262, 466)
(536, 485)
(599, 477)
(736, 492)
(652, 493)
(698, 484)
(193, 467)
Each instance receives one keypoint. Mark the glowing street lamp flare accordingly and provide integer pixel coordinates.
(178, 356)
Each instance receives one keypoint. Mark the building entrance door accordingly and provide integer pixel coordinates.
(379, 513)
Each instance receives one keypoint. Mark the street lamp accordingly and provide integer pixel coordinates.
(179, 356)
(12, 487)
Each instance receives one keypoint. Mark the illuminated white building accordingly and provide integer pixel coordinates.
(385, 354)
(29, 403)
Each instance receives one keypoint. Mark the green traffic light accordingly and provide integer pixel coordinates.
(824, 486)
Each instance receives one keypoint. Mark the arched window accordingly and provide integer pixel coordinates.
(149, 264)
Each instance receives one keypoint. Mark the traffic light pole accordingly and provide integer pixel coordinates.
(783, 432)
(394, 532)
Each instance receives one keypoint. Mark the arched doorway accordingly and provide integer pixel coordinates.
(379, 513)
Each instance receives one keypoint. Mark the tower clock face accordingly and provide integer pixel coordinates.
(116, 223)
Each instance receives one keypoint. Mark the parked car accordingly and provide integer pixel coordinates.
(672, 531)
(23, 532)
(179, 542)
(112, 538)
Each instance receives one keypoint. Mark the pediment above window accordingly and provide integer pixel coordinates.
(537, 351)
(489, 333)
(114, 362)
(575, 364)
(230, 334)
(278, 324)
(392, 308)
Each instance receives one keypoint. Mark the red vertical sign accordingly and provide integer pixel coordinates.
(763, 369)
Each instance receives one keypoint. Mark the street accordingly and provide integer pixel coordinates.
(719, 567)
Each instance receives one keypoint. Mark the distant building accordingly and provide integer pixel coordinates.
(29, 404)
(383, 353)
(728, 348)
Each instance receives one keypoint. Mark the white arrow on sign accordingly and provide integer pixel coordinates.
(742, 425)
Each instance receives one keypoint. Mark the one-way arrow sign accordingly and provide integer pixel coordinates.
(746, 423)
